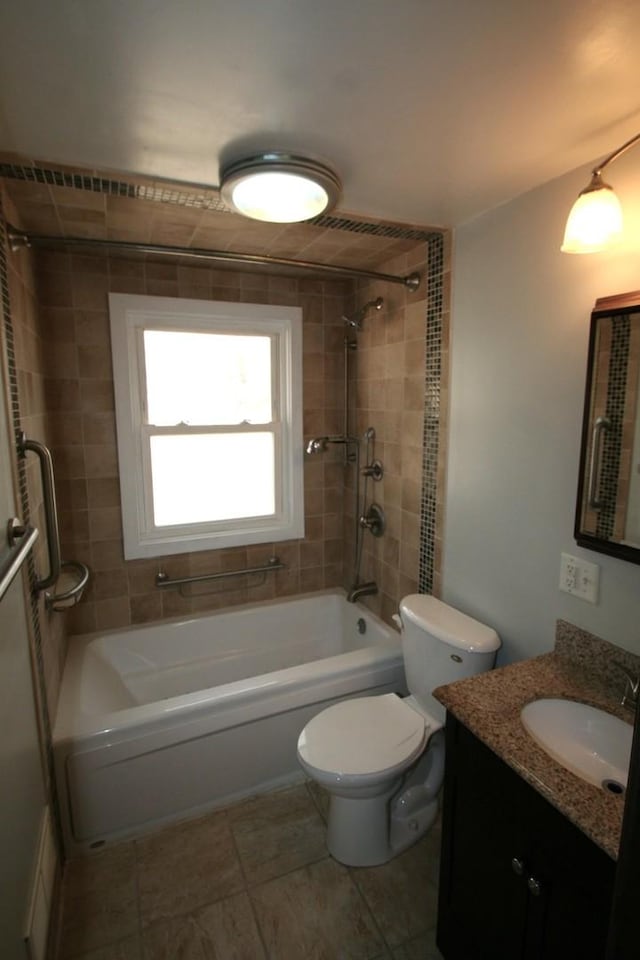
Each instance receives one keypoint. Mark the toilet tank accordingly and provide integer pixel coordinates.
(441, 644)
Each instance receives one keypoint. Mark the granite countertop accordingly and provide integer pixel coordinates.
(490, 704)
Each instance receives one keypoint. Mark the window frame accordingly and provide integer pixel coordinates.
(130, 315)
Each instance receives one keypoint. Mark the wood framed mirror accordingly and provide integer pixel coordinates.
(608, 501)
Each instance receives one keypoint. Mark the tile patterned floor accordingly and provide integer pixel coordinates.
(250, 882)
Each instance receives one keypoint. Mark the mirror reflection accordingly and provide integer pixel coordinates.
(608, 507)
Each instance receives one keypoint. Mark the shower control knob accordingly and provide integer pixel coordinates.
(373, 520)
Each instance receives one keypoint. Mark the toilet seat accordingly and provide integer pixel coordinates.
(363, 737)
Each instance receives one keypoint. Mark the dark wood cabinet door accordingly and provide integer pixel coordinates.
(571, 915)
(483, 901)
(518, 881)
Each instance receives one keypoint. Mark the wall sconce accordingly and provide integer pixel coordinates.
(595, 221)
(279, 187)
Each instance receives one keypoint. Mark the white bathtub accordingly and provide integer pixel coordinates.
(161, 721)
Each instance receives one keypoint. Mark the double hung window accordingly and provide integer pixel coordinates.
(208, 413)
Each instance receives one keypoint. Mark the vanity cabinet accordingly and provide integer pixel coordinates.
(518, 881)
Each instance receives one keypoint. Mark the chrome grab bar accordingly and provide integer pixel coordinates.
(21, 540)
(58, 601)
(601, 425)
(164, 581)
(50, 509)
(53, 601)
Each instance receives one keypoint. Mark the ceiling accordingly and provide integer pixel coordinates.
(431, 111)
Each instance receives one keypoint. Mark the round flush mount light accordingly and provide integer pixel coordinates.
(279, 187)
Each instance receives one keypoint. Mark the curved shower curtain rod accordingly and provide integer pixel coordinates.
(18, 239)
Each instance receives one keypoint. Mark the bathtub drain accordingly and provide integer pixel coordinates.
(362, 625)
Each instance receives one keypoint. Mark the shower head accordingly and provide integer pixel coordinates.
(355, 319)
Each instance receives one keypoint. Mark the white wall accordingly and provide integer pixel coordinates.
(520, 326)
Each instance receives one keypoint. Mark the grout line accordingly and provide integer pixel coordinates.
(247, 891)
(137, 888)
(287, 873)
(368, 908)
(315, 801)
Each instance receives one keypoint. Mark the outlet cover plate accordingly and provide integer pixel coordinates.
(579, 578)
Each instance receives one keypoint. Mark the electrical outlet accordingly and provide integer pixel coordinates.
(579, 577)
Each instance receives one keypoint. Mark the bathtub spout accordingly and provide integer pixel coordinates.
(362, 590)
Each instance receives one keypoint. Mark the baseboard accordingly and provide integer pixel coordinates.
(42, 892)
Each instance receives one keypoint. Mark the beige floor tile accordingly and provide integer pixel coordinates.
(225, 930)
(277, 833)
(316, 913)
(187, 885)
(129, 949)
(99, 903)
(400, 893)
(422, 948)
(185, 867)
(431, 845)
(320, 798)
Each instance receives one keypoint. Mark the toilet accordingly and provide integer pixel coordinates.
(381, 758)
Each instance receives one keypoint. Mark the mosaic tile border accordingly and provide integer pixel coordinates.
(612, 446)
(198, 199)
(430, 449)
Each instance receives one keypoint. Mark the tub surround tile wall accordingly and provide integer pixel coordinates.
(20, 351)
(253, 880)
(388, 392)
(25, 359)
(79, 388)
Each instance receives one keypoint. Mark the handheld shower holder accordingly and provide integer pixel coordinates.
(375, 470)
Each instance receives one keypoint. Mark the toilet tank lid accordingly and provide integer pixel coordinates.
(448, 624)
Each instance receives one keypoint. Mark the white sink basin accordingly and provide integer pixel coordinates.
(591, 743)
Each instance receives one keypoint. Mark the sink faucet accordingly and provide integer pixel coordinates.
(362, 590)
(632, 684)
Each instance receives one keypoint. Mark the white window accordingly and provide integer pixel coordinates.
(208, 413)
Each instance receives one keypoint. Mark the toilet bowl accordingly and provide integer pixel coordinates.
(382, 758)
(359, 751)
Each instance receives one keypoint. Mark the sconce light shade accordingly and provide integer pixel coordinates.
(595, 220)
(279, 187)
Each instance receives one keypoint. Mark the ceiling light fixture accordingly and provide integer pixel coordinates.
(595, 220)
(279, 187)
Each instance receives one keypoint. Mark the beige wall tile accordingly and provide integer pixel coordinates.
(391, 399)
(79, 392)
